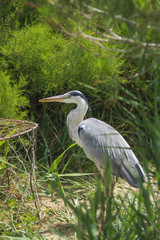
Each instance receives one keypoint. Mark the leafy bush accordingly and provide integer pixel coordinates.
(12, 103)
(50, 62)
(15, 15)
(31, 53)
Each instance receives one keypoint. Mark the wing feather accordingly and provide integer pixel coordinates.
(100, 141)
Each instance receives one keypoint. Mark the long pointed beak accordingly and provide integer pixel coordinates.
(59, 98)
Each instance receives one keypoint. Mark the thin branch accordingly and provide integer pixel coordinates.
(110, 49)
(93, 8)
(121, 40)
(136, 24)
(119, 17)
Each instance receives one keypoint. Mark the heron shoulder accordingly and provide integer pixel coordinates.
(95, 127)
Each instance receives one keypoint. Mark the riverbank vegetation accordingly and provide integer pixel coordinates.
(110, 52)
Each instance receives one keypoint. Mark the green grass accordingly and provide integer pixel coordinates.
(89, 209)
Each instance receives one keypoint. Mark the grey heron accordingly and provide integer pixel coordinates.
(99, 140)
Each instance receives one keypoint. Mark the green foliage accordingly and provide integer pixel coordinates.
(12, 102)
(113, 43)
(131, 28)
(31, 53)
(14, 15)
(50, 62)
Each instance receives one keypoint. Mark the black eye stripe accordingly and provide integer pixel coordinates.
(77, 93)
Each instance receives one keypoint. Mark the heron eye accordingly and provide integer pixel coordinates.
(66, 96)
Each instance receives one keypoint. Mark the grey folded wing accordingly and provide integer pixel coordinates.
(100, 141)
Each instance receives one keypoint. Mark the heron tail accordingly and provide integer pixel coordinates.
(133, 177)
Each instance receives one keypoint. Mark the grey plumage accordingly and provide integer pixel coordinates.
(104, 142)
(100, 141)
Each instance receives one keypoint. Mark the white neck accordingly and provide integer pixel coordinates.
(75, 117)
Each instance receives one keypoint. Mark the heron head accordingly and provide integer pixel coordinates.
(69, 97)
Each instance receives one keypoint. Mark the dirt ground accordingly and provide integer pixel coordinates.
(54, 223)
